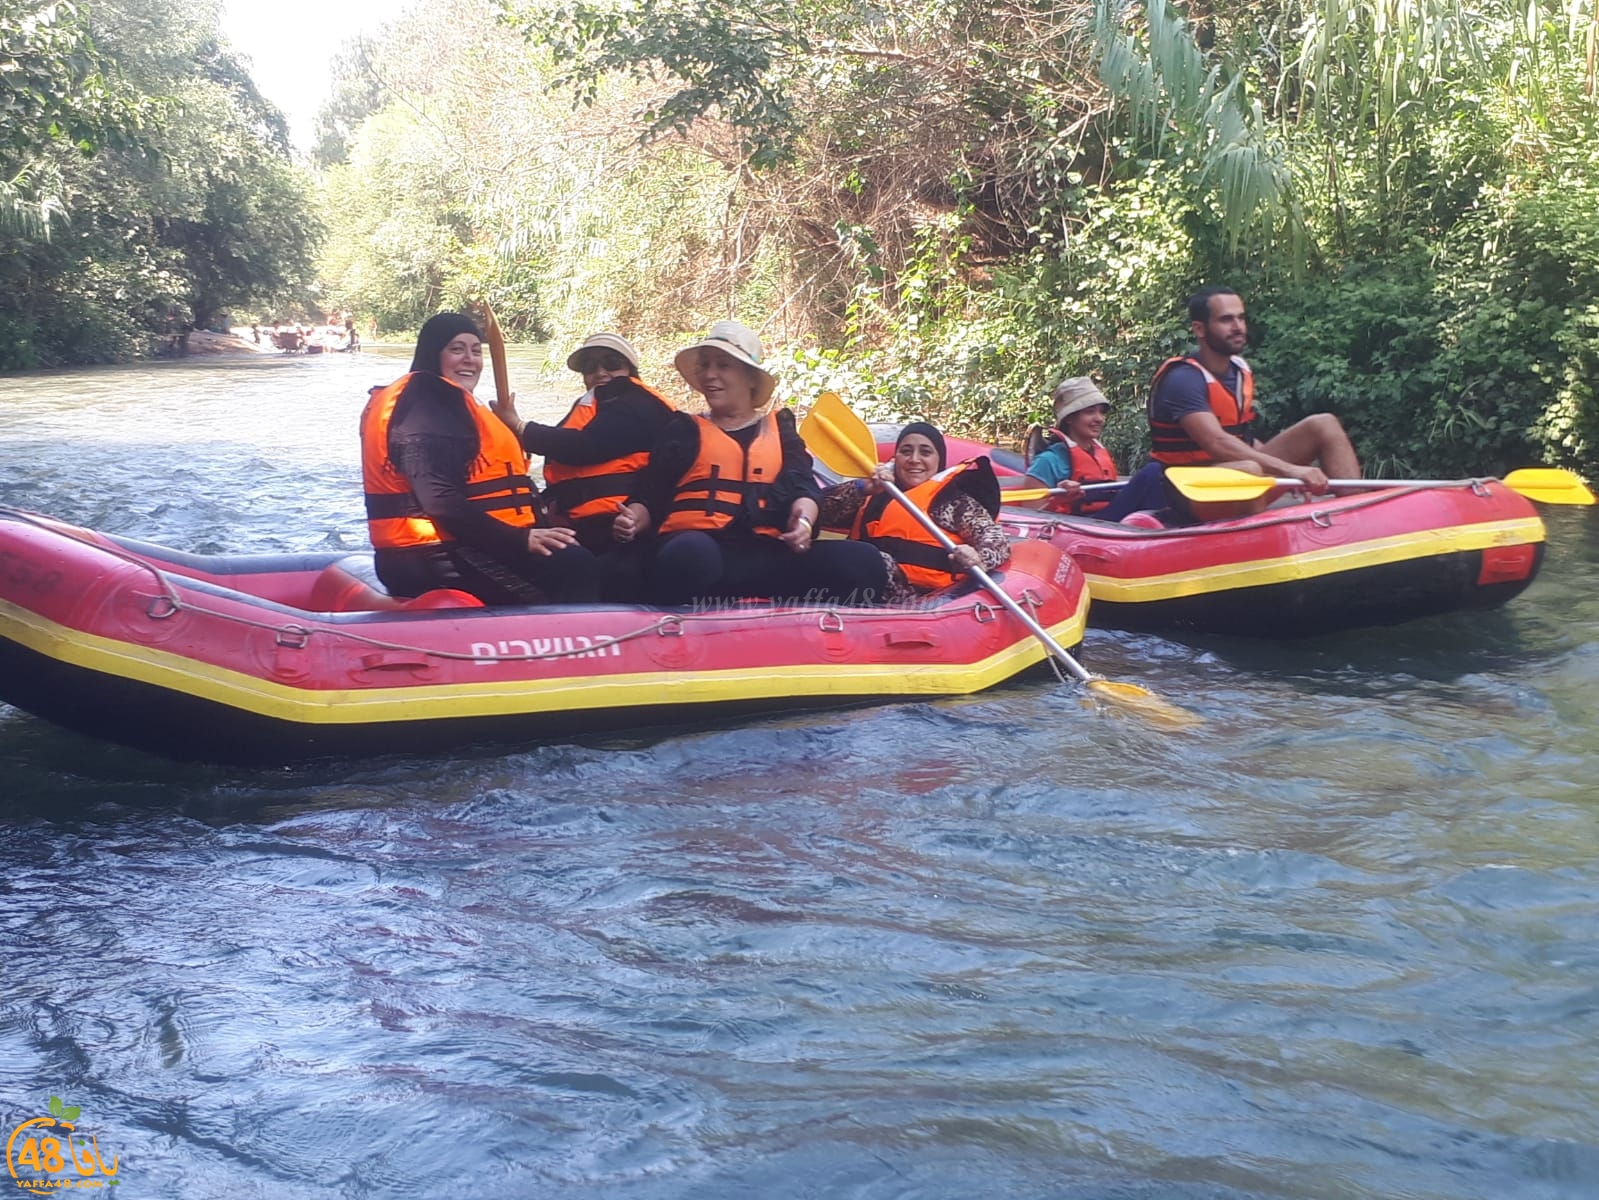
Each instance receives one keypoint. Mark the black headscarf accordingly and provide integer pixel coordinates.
(930, 432)
(439, 332)
(426, 384)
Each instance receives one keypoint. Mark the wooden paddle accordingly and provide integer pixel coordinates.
(1547, 485)
(496, 341)
(842, 440)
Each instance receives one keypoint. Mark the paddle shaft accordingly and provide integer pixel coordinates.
(496, 340)
(1039, 493)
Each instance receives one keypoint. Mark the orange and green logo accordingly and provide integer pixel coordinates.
(47, 1154)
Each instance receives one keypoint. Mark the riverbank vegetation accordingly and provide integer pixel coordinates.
(146, 187)
(944, 206)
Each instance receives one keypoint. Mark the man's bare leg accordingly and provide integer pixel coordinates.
(1317, 441)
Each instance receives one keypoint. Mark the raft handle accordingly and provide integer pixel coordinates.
(830, 622)
(1321, 520)
(669, 626)
(160, 608)
(393, 661)
(293, 637)
(984, 612)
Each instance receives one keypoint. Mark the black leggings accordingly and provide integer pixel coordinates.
(568, 576)
(697, 566)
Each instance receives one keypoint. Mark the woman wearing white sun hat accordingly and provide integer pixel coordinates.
(732, 494)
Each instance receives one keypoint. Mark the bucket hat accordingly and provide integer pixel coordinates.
(604, 341)
(736, 341)
(1074, 395)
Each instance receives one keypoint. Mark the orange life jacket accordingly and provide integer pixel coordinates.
(726, 480)
(1087, 466)
(496, 480)
(1171, 445)
(885, 523)
(597, 488)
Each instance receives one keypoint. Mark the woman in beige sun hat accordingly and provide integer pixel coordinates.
(733, 496)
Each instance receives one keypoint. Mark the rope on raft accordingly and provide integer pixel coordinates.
(170, 602)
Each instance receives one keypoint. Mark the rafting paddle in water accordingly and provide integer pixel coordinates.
(838, 437)
(1547, 485)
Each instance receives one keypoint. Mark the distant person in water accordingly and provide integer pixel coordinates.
(448, 499)
(1202, 413)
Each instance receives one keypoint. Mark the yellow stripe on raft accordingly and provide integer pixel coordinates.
(1310, 564)
(362, 706)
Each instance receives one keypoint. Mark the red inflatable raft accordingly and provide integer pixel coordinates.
(271, 658)
(1295, 570)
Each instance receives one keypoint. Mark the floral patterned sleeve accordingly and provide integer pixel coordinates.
(958, 513)
(839, 505)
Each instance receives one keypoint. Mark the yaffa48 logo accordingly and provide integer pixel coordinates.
(46, 1153)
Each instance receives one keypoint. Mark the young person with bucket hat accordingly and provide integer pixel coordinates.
(593, 454)
(731, 495)
(1076, 456)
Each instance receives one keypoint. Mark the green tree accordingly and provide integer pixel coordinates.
(201, 212)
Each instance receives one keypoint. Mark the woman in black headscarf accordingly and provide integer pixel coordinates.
(449, 502)
(962, 502)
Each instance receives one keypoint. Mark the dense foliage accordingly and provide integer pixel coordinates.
(934, 206)
(943, 206)
(151, 190)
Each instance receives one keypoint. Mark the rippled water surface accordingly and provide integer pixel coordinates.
(1343, 943)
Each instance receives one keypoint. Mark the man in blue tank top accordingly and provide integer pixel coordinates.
(1201, 412)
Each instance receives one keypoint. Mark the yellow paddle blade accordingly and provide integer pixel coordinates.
(1549, 485)
(1143, 703)
(834, 434)
(1218, 483)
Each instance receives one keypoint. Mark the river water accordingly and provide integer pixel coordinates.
(1339, 944)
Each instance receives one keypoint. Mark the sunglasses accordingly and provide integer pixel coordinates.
(588, 364)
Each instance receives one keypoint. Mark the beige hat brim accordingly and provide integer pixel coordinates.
(603, 341)
(687, 363)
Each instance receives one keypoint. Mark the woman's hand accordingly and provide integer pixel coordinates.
(632, 522)
(964, 558)
(546, 540)
(505, 409)
(801, 525)
(881, 475)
